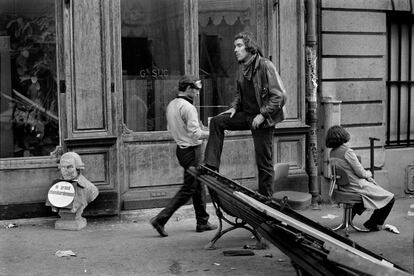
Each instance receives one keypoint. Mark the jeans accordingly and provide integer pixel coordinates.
(192, 188)
(263, 146)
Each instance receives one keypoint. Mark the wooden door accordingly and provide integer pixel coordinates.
(89, 126)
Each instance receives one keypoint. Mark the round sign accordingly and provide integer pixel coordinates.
(61, 194)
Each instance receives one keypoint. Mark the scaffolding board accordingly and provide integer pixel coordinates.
(312, 248)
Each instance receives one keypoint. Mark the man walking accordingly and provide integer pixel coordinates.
(258, 106)
(184, 126)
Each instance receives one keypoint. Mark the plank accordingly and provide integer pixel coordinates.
(308, 230)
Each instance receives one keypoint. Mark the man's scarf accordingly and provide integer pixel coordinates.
(248, 67)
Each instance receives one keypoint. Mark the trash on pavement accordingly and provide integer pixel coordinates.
(238, 253)
(65, 253)
(391, 228)
(329, 216)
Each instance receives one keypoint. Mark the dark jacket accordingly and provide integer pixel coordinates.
(269, 90)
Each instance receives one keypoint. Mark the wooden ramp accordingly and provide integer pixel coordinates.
(312, 248)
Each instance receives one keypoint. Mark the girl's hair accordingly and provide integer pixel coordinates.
(336, 136)
(249, 41)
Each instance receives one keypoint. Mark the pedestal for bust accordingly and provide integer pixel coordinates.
(70, 221)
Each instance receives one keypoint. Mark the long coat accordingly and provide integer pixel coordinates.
(373, 196)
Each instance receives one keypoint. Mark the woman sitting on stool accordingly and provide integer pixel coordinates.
(360, 180)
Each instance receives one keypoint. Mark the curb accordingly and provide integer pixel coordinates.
(142, 215)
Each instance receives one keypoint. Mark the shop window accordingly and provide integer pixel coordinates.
(28, 102)
(152, 60)
(153, 55)
(400, 81)
(219, 22)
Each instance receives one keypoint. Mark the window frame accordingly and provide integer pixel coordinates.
(399, 18)
(47, 161)
(265, 21)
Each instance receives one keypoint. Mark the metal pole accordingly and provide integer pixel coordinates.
(371, 153)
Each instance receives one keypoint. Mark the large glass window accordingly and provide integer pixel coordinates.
(28, 102)
(218, 23)
(152, 60)
(153, 55)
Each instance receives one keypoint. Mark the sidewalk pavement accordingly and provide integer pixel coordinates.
(130, 246)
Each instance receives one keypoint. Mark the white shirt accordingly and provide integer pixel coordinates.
(183, 123)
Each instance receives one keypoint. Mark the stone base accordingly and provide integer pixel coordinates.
(65, 224)
(296, 200)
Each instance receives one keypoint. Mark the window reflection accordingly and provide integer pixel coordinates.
(28, 103)
(219, 22)
(152, 60)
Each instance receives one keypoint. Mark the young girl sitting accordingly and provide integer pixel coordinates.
(360, 180)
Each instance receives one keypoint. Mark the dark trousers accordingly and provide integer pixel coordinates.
(378, 217)
(263, 146)
(192, 188)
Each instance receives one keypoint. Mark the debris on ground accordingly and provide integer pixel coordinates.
(65, 253)
(329, 216)
(238, 253)
(391, 228)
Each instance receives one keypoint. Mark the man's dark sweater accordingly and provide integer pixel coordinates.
(248, 98)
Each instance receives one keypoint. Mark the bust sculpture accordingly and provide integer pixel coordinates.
(70, 195)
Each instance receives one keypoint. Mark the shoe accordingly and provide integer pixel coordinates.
(205, 227)
(371, 228)
(158, 227)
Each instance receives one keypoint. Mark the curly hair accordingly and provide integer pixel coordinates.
(336, 136)
(249, 41)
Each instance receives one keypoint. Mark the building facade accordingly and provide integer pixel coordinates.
(94, 76)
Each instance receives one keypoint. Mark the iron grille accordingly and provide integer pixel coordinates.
(400, 80)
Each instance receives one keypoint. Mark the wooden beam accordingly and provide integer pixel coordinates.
(330, 242)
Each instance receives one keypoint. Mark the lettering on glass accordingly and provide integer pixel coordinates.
(153, 74)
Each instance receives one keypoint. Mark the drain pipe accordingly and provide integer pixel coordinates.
(311, 100)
